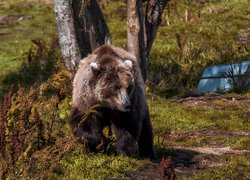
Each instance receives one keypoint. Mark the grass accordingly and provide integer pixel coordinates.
(168, 116)
(239, 143)
(98, 166)
(212, 37)
(16, 35)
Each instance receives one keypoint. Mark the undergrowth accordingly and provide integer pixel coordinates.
(31, 121)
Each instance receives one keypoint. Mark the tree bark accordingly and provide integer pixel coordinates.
(153, 19)
(67, 35)
(82, 28)
(136, 33)
(91, 28)
(141, 32)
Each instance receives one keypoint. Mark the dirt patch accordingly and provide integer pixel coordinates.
(149, 172)
(192, 160)
(216, 101)
(214, 151)
(186, 162)
(205, 133)
(15, 17)
(163, 170)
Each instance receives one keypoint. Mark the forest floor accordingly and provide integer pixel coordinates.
(191, 160)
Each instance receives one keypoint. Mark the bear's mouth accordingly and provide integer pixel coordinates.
(126, 108)
(121, 108)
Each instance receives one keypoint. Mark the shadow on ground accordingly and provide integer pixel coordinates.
(38, 66)
(184, 162)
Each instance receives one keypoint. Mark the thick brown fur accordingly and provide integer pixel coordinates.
(107, 79)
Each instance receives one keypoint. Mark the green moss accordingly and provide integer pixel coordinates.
(98, 166)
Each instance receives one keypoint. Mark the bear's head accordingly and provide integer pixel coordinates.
(112, 82)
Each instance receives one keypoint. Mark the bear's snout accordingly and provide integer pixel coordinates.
(127, 106)
(125, 101)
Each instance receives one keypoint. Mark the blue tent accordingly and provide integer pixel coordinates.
(219, 78)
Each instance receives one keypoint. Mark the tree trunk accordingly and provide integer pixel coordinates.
(82, 28)
(91, 28)
(136, 33)
(154, 12)
(141, 32)
(67, 34)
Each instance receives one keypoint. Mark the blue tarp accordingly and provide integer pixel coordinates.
(213, 80)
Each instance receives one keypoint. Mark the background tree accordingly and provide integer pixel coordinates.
(82, 28)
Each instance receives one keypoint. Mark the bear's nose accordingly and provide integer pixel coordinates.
(128, 106)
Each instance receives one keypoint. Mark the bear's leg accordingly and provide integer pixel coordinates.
(74, 119)
(125, 142)
(92, 132)
(90, 129)
(145, 142)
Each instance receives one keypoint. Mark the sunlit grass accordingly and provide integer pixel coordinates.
(16, 35)
(168, 116)
(98, 166)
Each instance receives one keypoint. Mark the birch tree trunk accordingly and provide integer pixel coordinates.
(67, 34)
(81, 28)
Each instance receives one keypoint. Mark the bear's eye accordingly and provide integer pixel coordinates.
(117, 88)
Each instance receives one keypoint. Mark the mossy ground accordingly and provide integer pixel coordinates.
(16, 35)
(212, 31)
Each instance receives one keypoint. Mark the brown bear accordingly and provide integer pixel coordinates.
(111, 77)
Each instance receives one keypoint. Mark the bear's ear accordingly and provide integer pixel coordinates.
(94, 67)
(128, 63)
